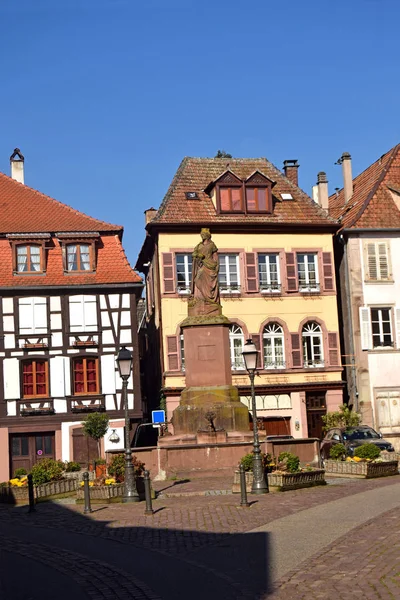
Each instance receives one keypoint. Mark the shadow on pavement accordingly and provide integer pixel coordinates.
(71, 555)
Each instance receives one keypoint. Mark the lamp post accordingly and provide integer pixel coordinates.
(124, 362)
(260, 485)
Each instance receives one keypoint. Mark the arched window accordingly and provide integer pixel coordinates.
(273, 347)
(313, 354)
(236, 343)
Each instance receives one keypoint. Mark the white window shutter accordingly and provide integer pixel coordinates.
(26, 322)
(57, 383)
(397, 321)
(383, 261)
(76, 317)
(372, 261)
(39, 315)
(365, 328)
(11, 378)
(90, 313)
(108, 374)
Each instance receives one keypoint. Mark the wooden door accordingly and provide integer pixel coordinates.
(280, 426)
(84, 449)
(26, 449)
(316, 408)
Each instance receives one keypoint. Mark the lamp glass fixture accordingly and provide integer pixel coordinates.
(250, 355)
(124, 362)
(114, 437)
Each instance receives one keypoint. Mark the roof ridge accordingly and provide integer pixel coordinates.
(58, 202)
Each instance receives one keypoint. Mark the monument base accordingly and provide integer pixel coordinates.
(218, 438)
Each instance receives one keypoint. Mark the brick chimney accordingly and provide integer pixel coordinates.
(321, 195)
(291, 170)
(347, 176)
(149, 214)
(17, 165)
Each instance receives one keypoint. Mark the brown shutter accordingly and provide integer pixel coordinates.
(256, 339)
(327, 271)
(296, 350)
(251, 272)
(172, 352)
(291, 275)
(333, 349)
(168, 273)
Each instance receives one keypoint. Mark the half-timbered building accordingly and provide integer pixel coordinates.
(68, 302)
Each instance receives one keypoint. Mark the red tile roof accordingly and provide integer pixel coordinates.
(372, 205)
(195, 174)
(24, 210)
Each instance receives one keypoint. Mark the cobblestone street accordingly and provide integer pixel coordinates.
(198, 545)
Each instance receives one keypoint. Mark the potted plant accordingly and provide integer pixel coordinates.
(101, 467)
(366, 462)
(95, 426)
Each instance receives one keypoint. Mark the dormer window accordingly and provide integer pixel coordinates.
(235, 195)
(231, 199)
(29, 258)
(79, 251)
(256, 199)
(78, 257)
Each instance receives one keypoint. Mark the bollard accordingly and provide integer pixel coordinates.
(86, 492)
(147, 493)
(31, 495)
(243, 491)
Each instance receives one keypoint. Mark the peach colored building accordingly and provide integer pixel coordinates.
(276, 280)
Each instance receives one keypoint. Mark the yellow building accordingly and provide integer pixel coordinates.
(277, 286)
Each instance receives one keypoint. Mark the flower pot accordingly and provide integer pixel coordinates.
(101, 470)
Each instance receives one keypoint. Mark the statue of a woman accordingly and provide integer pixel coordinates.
(205, 269)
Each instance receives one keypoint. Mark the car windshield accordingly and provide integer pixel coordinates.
(360, 434)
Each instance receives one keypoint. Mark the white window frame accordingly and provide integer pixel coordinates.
(269, 286)
(307, 287)
(187, 272)
(236, 334)
(312, 331)
(275, 332)
(381, 258)
(380, 324)
(229, 287)
(37, 305)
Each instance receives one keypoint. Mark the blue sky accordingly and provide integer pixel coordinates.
(105, 97)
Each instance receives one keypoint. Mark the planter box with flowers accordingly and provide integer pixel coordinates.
(106, 490)
(17, 493)
(366, 463)
(280, 478)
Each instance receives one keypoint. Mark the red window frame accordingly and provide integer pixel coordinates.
(35, 378)
(85, 375)
(258, 199)
(229, 208)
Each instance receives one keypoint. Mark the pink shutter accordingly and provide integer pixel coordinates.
(251, 272)
(291, 275)
(172, 353)
(168, 272)
(296, 350)
(333, 349)
(327, 272)
(256, 339)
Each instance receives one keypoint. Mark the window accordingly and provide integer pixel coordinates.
(381, 327)
(256, 199)
(183, 272)
(32, 315)
(29, 259)
(78, 257)
(273, 347)
(268, 271)
(85, 373)
(308, 272)
(35, 378)
(231, 199)
(20, 446)
(377, 267)
(229, 278)
(236, 343)
(182, 349)
(44, 444)
(82, 313)
(312, 345)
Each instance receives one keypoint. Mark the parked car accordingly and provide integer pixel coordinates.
(351, 438)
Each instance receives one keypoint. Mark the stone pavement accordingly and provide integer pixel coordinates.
(198, 547)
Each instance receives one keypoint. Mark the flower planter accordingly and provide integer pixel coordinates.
(367, 470)
(282, 482)
(101, 470)
(54, 489)
(104, 494)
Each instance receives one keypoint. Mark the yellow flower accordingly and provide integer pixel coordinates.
(110, 481)
(357, 459)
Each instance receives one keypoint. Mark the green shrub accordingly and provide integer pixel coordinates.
(337, 452)
(47, 470)
(20, 472)
(247, 461)
(289, 462)
(100, 461)
(344, 417)
(72, 467)
(116, 467)
(367, 450)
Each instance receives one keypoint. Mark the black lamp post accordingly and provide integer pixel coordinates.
(260, 485)
(124, 362)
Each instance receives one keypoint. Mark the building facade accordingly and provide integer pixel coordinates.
(277, 286)
(368, 262)
(68, 302)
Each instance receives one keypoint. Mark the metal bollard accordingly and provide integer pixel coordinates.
(243, 491)
(31, 495)
(147, 493)
(86, 492)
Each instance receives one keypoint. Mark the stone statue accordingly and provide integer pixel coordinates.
(204, 298)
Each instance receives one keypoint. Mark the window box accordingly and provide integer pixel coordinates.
(366, 470)
(29, 412)
(274, 288)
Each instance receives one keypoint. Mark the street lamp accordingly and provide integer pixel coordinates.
(124, 362)
(260, 485)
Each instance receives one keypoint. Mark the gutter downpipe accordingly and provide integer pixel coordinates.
(349, 316)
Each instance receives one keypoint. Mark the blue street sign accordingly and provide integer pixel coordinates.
(158, 417)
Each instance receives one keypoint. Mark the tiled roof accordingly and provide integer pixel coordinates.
(23, 209)
(372, 204)
(112, 266)
(195, 174)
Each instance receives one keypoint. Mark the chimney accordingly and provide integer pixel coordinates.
(322, 191)
(149, 214)
(291, 170)
(17, 165)
(347, 176)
